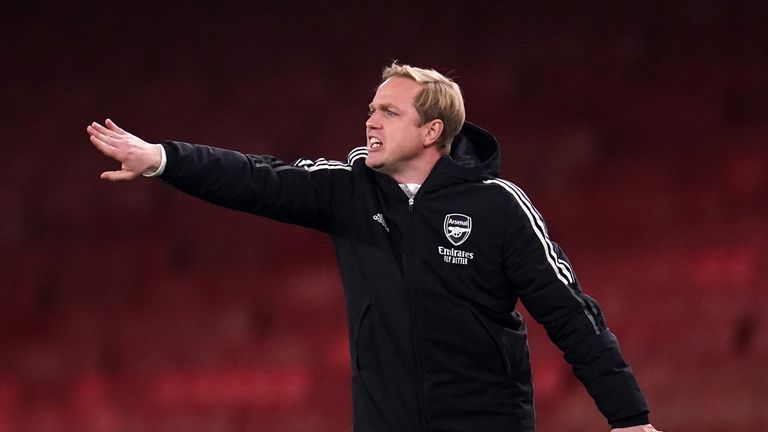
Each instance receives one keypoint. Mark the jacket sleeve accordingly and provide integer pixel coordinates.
(301, 194)
(541, 276)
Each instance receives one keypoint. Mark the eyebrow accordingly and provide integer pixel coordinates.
(381, 106)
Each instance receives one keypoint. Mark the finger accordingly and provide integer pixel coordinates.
(104, 147)
(118, 175)
(99, 127)
(113, 126)
(103, 130)
(104, 138)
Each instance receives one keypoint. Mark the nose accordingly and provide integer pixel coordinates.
(372, 122)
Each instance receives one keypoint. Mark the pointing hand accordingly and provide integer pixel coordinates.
(135, 155)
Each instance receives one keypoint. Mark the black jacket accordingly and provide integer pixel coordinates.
(431, 283)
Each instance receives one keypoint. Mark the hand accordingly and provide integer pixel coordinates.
(136, 155)
(642, 428)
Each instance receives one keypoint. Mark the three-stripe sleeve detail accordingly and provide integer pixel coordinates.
(357, 153)
(561, 268)
(322, 163)
(326, 164)
(537, 221)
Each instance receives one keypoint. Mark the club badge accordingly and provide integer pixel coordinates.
(457, 228)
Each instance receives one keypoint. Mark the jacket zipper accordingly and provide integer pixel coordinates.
(415, 320)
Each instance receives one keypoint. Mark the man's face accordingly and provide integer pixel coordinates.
(394, 131)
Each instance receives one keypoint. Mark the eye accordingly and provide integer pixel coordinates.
(390, 113)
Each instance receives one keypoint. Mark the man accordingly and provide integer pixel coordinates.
(434, 252)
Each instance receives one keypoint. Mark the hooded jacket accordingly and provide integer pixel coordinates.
(431, 283)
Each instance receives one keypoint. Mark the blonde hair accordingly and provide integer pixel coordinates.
(439, 98)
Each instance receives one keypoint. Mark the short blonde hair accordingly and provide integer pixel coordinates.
(439, 98)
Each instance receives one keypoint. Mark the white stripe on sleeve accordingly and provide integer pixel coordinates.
(561, 268)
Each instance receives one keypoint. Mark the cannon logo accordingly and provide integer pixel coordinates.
(457, 228)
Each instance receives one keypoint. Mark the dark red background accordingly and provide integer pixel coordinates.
(640, 129)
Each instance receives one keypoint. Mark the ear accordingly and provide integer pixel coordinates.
(433, 129)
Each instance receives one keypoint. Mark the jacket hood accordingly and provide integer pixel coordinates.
(475, 149)
(475, 156)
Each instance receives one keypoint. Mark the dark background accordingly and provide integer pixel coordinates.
(640, 130)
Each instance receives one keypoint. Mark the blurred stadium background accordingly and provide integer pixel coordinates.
(640, 130)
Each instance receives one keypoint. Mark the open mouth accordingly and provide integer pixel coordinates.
(374, 143)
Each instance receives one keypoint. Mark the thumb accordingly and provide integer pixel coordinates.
(118, 175)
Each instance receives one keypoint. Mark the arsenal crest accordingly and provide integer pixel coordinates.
(457, 228)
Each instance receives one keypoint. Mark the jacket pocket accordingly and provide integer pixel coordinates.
(488, 327)
(515, 343)
(359, 328)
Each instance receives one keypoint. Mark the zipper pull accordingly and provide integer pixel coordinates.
(410, 205)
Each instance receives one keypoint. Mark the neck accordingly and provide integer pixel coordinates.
(417, 171)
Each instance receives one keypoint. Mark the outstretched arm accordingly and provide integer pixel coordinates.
(135, 155)
(308, 195)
